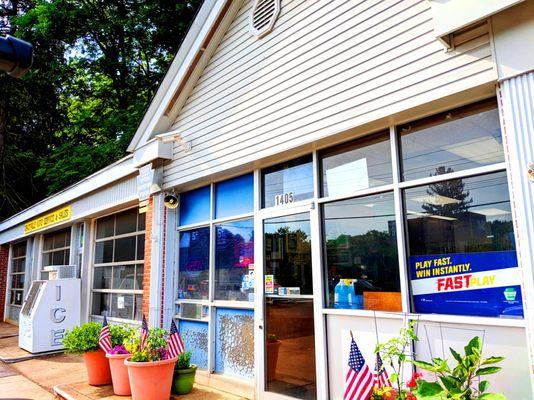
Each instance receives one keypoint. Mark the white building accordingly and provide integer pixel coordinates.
(311, 143)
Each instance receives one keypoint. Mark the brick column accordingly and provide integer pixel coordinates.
(4, 255)
(148, 257)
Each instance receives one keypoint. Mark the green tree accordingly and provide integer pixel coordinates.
(97, 65)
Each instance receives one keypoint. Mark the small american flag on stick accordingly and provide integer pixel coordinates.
(381, 375)
(104, 341)
(144, 332)
(359, 381)
(175, 344)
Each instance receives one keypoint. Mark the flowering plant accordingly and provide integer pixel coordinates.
(394, 353)
(119, 349)
(155, 348)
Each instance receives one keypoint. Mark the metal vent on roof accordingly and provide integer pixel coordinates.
(263, 16)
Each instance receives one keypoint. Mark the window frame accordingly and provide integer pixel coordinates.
(134, 263)
(211, 304)
(10, 290)
(42, 270)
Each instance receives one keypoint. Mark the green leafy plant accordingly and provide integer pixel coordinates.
(463, 381)
(81, 339)
(184, 360)
(154, 348)
(394, 353)
(119, 333)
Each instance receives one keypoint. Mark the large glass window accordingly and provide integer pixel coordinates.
(457, 140)
(288, 182)
(56, 249)
(17, 274)
(461, 246)
(287, 242)
(234, 196)
(119, 265)
(194, 264)
(357, 165)
(216, 270)
(234, 260)
(361, 253)
(195, 206)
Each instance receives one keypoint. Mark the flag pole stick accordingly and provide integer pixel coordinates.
(351, 335)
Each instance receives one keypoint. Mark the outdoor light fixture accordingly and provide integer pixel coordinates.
(16, 56)
(175, 136)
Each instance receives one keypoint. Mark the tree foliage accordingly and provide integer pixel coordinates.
(96, 66)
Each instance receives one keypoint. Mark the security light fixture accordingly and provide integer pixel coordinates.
(16, 56)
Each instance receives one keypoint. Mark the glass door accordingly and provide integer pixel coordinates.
(288, 339)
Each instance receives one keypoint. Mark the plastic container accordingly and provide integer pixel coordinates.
(341, 298)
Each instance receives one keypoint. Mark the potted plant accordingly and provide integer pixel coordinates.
(184, 374)
(394, 353)
(149, 369)
(273, 346)
(462, 381)
(84, 340)
(116, 357)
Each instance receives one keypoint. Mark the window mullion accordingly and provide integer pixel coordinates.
(399, 222)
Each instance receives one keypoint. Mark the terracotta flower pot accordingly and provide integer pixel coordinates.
(98, 372)
(272, 359)
(119, 374)
(151, 380)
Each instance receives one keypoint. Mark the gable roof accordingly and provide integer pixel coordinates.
(193, 49)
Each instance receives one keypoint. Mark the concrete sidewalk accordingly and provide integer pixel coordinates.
(62, 376)
(14, 386)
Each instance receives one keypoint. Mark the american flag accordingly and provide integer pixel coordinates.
(144, 332)
(359, 381)
(175, 344)
(381, 375)
(104, 341)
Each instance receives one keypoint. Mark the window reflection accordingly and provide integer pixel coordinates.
(361, 253)
(288, 254)
(194, 264)
(234, 261)
(357, 165)
(462, 250)
(453, 141)
(288, 182)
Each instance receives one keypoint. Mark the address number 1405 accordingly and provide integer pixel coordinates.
(281, 199)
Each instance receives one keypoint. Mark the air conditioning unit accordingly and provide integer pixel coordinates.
(62, 272)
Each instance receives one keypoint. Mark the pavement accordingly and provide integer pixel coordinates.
(61, 376)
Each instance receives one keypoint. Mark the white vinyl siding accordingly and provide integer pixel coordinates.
(326, 67)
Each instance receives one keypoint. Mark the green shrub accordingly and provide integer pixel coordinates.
(85, 337)
(184, 360)
(82, 338)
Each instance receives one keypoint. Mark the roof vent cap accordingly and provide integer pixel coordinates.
(263, 16)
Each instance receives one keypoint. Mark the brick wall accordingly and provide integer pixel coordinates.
(148, 254)
(4, 254)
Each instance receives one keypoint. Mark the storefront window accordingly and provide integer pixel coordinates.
(119, 265)
(287, 242)
(357, 165)
(17, 274)
(361, 253)
(461, 247)
(234, 260)
(56, 249)
(234, 196)
(288, 182)
(194, 264)
(195, 206)
(466, 138)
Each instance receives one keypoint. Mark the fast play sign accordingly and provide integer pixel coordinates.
(483, 284)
